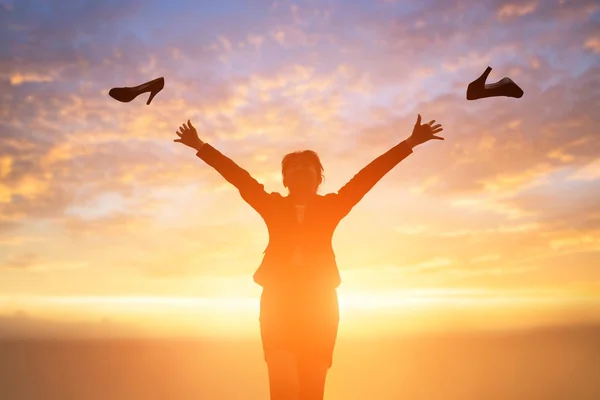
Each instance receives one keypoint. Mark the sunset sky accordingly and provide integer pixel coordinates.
(106, 223)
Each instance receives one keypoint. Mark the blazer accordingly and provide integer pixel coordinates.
(321, 216)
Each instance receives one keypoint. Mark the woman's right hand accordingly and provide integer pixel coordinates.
(188, 136)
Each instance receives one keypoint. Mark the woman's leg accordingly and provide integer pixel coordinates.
(312, 375)
(319, 336)
(283, 375)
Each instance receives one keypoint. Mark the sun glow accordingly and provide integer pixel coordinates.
(361, 312)
(348, 300)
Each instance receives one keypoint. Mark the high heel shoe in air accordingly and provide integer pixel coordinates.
(505, 87)
(127, 94)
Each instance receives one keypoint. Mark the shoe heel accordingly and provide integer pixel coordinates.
(152, 94)
(486, 73)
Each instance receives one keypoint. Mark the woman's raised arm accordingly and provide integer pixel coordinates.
(250, 190)
(353, 191)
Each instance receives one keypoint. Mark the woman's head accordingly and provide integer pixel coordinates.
(302, 171)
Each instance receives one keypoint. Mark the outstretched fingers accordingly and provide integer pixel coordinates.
(180, 136)
(418, 123)
(436, 129)
(180, 133)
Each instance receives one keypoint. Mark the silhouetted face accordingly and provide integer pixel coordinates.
(302, 176)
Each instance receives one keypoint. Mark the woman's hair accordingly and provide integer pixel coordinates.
(302, 155)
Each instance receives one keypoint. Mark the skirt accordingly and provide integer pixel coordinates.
(302, 321)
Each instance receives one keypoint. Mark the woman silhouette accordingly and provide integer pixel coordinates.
(299, 312)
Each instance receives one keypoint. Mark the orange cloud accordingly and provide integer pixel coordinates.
(588, 172)
(517, 10)
(20, 78)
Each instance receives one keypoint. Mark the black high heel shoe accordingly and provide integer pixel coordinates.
(505, 87)
(127, 94)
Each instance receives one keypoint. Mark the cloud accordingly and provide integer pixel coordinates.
(433, 231)
(43, 44)
(256, 40)
(33, 262)
(589, 172)
(486, 258)
(279, 36)
(517, 10)
(22, 261)
(593, 44)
